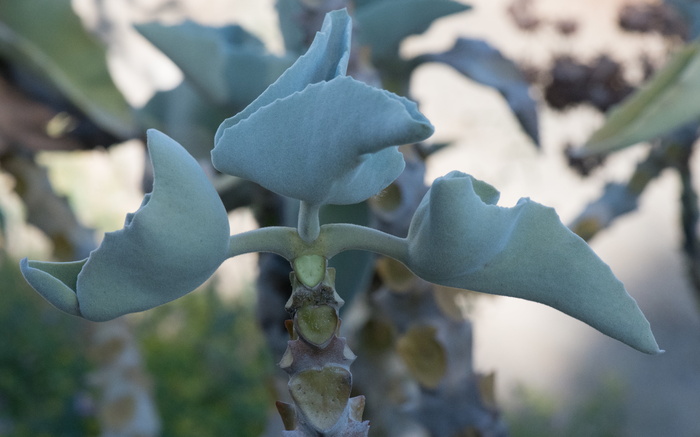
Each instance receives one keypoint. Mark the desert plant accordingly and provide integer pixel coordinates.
(321, 137)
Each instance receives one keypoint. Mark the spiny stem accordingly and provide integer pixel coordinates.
(318, 364)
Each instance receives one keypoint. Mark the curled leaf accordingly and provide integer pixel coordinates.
(332, 143)
(318, 135)
(170, 246)
(459, 238)
(326, 58)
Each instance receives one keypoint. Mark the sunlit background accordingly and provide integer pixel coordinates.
(554, 375)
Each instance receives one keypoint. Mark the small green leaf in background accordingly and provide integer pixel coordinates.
(48, 37)
(424, 355)
(669, 100)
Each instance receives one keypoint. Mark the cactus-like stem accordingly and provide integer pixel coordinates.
(318, 364)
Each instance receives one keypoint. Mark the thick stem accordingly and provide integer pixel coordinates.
(331, 240)
(318, 364)
(281, 240)
(309, 225)
(343, 236)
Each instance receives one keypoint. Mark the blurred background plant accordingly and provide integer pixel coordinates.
(202, 352)
(660, 107)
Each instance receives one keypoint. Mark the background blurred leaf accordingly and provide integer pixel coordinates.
(384, 24)
(484, 64)
(186, 115)
(66, 56)
(690, 10)
(229, 65)
(669, 100)
(288, 12)
(211, 362)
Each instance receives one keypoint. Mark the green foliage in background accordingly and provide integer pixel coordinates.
(44, 371)
(222, 389)
(43, 391)
(598, 414)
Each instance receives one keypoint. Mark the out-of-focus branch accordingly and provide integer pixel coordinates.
(690, 215)
(48, 211)
(30, 125)
(126, 407)
(619, 199)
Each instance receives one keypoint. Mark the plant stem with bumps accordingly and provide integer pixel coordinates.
(318, 364)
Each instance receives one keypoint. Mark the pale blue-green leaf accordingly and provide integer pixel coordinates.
(332, 143)
(484, 64)
(326, 58)
(56, 282)
(669, 100)
(383, 25)
(48, 37)
(229, 65)
(172, 244)
(458, 240)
